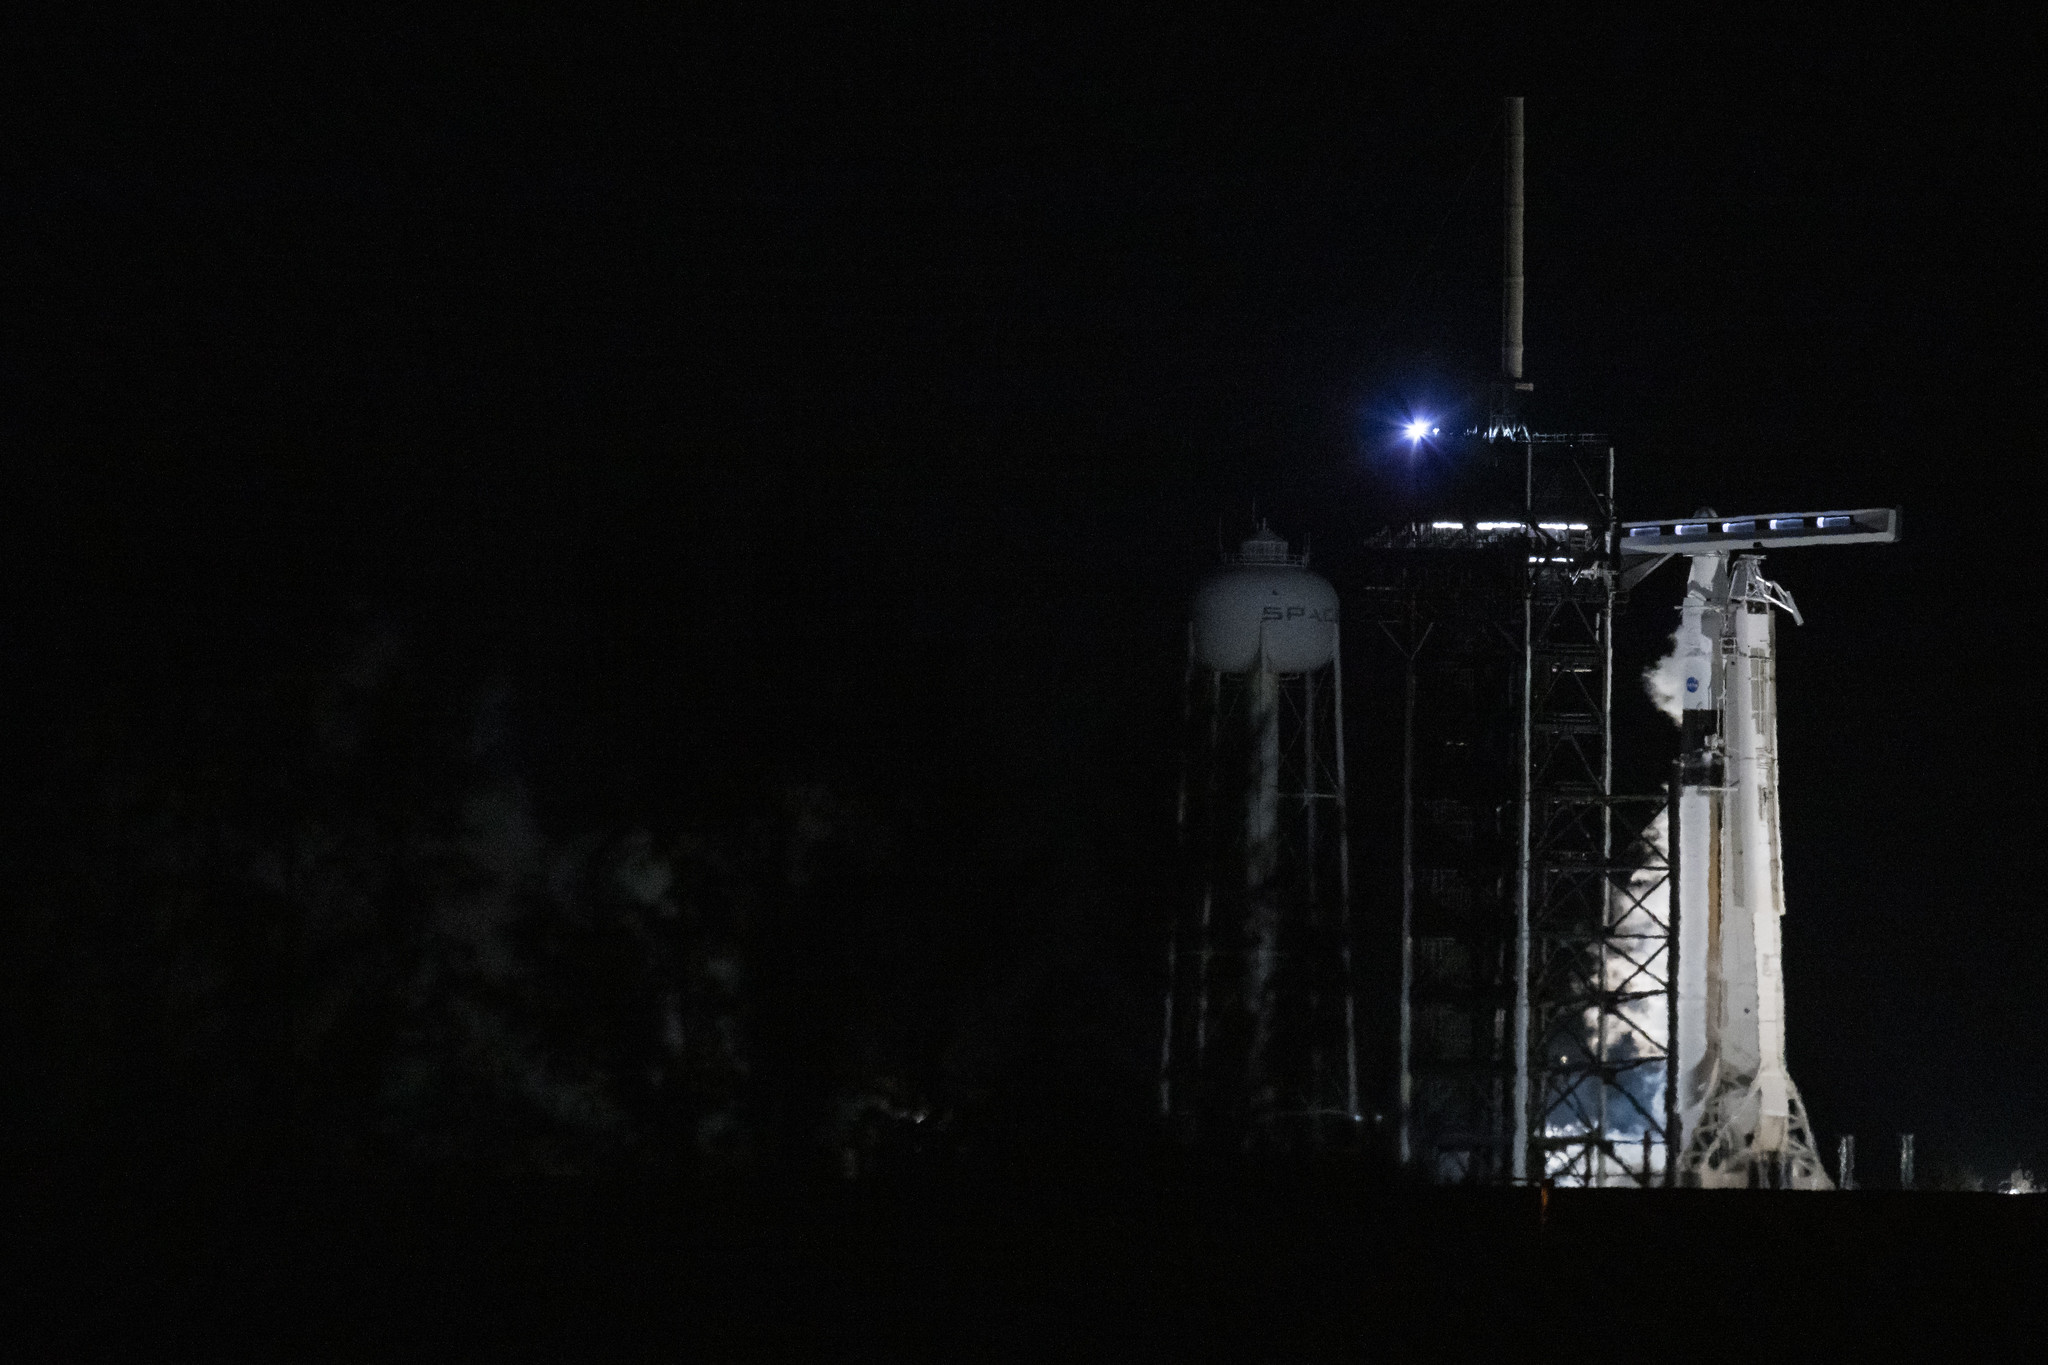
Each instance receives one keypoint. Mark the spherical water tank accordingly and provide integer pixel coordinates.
(1265, 597)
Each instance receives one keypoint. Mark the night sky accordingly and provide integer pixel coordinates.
(757, 407)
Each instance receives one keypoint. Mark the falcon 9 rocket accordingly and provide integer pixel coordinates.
(1745, 1122)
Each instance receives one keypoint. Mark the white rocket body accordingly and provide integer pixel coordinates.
(1697, 835)
(1743, 1121)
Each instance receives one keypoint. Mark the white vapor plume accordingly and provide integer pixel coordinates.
(1665, 682)
(1636, 962)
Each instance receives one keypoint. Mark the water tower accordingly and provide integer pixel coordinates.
(1260, 1039)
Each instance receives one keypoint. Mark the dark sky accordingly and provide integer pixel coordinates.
(862, 401)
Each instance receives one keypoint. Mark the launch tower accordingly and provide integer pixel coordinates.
(1534, 963)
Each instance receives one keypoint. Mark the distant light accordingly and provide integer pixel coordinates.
(1834, 523)
(1419, 429)
(1447, 526)
(1502, 526)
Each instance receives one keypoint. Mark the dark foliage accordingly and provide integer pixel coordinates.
(314, 918)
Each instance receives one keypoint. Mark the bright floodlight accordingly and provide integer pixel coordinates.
(1419, 429)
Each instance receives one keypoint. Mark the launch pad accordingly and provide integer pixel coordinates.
(1590, 989)
(1590, 982)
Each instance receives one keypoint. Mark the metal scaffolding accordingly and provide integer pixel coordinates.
(1535, 946)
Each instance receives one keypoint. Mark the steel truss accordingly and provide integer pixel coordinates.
(1546, 1053)
(1259, 1050)
(1444, 606)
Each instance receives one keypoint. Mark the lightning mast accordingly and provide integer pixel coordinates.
(1511, 386)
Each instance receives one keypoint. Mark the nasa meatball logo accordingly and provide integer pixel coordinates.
(1692, 684)
(1327, 615)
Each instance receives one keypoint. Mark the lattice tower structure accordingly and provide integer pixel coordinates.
(1439, 725)
(1534, 952)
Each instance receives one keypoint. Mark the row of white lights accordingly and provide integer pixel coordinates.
(1508, 526)
(1685, 528)
(1745, 527)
